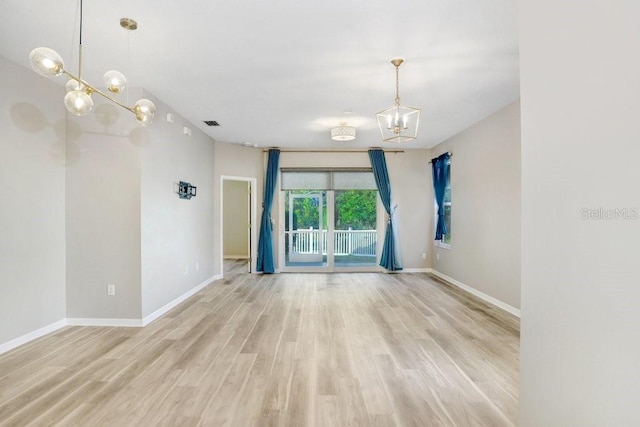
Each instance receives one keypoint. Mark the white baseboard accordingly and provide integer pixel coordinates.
(162, 310)
(416, 270)
(17, 342)
(487, 298)
(88, 321)
(133, 323)
(139, 323)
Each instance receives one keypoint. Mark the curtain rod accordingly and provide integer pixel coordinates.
(330, 151)
(448, 152)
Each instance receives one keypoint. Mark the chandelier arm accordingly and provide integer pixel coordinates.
(98, 91)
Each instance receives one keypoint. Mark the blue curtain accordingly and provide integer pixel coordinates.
(440, 172)
(390, 258)
(265, 241)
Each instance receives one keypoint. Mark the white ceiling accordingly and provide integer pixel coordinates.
(283, 72)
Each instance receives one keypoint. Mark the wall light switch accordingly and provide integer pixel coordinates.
(111, 290)
(169, 117)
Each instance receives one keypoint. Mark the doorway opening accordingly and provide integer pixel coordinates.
(237, 218)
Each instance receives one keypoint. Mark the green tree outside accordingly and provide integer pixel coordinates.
(355, 209)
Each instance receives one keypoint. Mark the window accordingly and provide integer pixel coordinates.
(445, 242)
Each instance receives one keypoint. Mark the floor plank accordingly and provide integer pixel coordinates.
(358, 349)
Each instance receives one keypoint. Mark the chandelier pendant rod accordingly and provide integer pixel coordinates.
(80, 47)
(397, 85)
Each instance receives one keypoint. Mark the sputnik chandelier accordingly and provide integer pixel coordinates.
(398, 123)
(78, 100)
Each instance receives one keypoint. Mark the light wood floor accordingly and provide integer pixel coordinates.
(346, 349)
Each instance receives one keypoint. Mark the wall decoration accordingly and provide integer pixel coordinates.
(186, 190)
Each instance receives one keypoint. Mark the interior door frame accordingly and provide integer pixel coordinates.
(252, 235)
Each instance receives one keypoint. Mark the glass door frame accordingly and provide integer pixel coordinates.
(306, 257)
(330, 266)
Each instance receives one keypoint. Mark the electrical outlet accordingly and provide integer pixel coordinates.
(186, 270)
(437, 256)
(424, 255)
(111, 290)
(197, 266)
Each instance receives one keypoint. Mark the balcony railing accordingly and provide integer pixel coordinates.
(345, 242)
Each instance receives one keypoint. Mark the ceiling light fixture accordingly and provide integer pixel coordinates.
(398, 123)
(343, 133)
(78, 100)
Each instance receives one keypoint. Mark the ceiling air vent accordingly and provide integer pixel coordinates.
(211, 123)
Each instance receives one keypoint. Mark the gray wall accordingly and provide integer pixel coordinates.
(103, 212)
(235, 219)
(412, 191)
(485, 213)
(238, 161)
(580, 153)
(125, 224)
(32, 177)
(90, 201)
(177, 234)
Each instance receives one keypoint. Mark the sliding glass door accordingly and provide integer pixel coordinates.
(330, 221)
(305, 228)
(355, 234)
